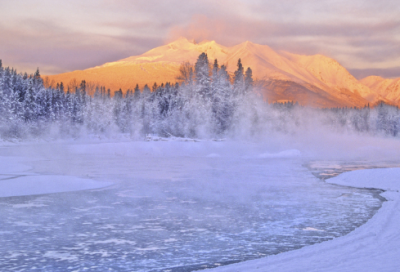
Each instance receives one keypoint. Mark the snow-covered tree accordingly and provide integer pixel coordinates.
(202, 72)
(238, 80)
(186, 73)
(248, 80)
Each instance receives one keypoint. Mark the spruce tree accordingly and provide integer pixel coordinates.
(83, 86)
(222, 101)
(118, 94)
(202, 72)
(146, 91)
(37, 81)
(136, 95)
(215, 67)
(154, 88)
(238, 81)
(248, 80)
(215, 75)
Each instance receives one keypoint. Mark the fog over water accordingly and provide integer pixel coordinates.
(207, 103)
(182, 205)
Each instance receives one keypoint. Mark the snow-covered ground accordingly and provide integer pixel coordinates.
(375, 246)
(16, 179)
(192, 200)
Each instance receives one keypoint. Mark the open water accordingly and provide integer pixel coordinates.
(176, 213)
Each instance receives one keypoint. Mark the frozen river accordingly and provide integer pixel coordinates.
(193, 210)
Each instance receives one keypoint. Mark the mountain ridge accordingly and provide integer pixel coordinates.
(387, 88)
(314, 80)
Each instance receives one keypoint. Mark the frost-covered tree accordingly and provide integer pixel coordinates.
(186, 73)
(204, 104)
(202, 72)
(136, 94)
(223, 102)
(388, 119)
(238, 80)
(248, 80)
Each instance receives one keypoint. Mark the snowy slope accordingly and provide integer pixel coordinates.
(320, 75)
(330, 73)
(177, 52)
(387, 88)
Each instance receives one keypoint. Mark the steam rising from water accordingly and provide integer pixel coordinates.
(205, 105)
(175, 205)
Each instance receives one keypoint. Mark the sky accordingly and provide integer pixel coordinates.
(61, 36)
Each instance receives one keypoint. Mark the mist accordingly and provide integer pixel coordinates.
(178, 177)
(207, 103)
(179, 204)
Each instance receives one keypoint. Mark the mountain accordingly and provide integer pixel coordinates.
(310, 80)
(387, 88)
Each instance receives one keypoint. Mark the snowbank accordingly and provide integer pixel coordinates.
(375, 246)
(17, 180)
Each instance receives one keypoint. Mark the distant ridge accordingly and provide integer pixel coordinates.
(387, 88)
(315, 80)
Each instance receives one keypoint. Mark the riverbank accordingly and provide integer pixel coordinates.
(375, 246)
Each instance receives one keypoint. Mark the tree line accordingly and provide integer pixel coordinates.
(206, 103)
(202, 104)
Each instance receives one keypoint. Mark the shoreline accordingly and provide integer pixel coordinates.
(374, 246)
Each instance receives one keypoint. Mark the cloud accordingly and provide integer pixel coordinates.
(392, 72)
(352, 43)
(56, 49)
(69, 35)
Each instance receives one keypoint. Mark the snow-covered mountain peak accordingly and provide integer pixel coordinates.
(322, 76)
(386, 87)
(370, 80)
(177, 52)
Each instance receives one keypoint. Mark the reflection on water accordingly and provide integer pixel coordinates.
(228, 211)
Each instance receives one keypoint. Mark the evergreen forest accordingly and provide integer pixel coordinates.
(206, 102)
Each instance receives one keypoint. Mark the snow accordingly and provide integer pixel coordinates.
(375, 246)
(16, 180)
(385, 179)
(326, 76)
(282, 154)
(386, 87)
(12, 165)
(36, 185)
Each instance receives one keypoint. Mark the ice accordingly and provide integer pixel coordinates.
(312, 229)
(36, 185)
(115, 241)
(372, 247)
(28, 205)
(172, 206)
(61, 256)
(282, 154)
(11, 165)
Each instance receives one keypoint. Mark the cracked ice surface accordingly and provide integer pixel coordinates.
(201, 207)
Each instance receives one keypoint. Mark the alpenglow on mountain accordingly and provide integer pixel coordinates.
(315, 80)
